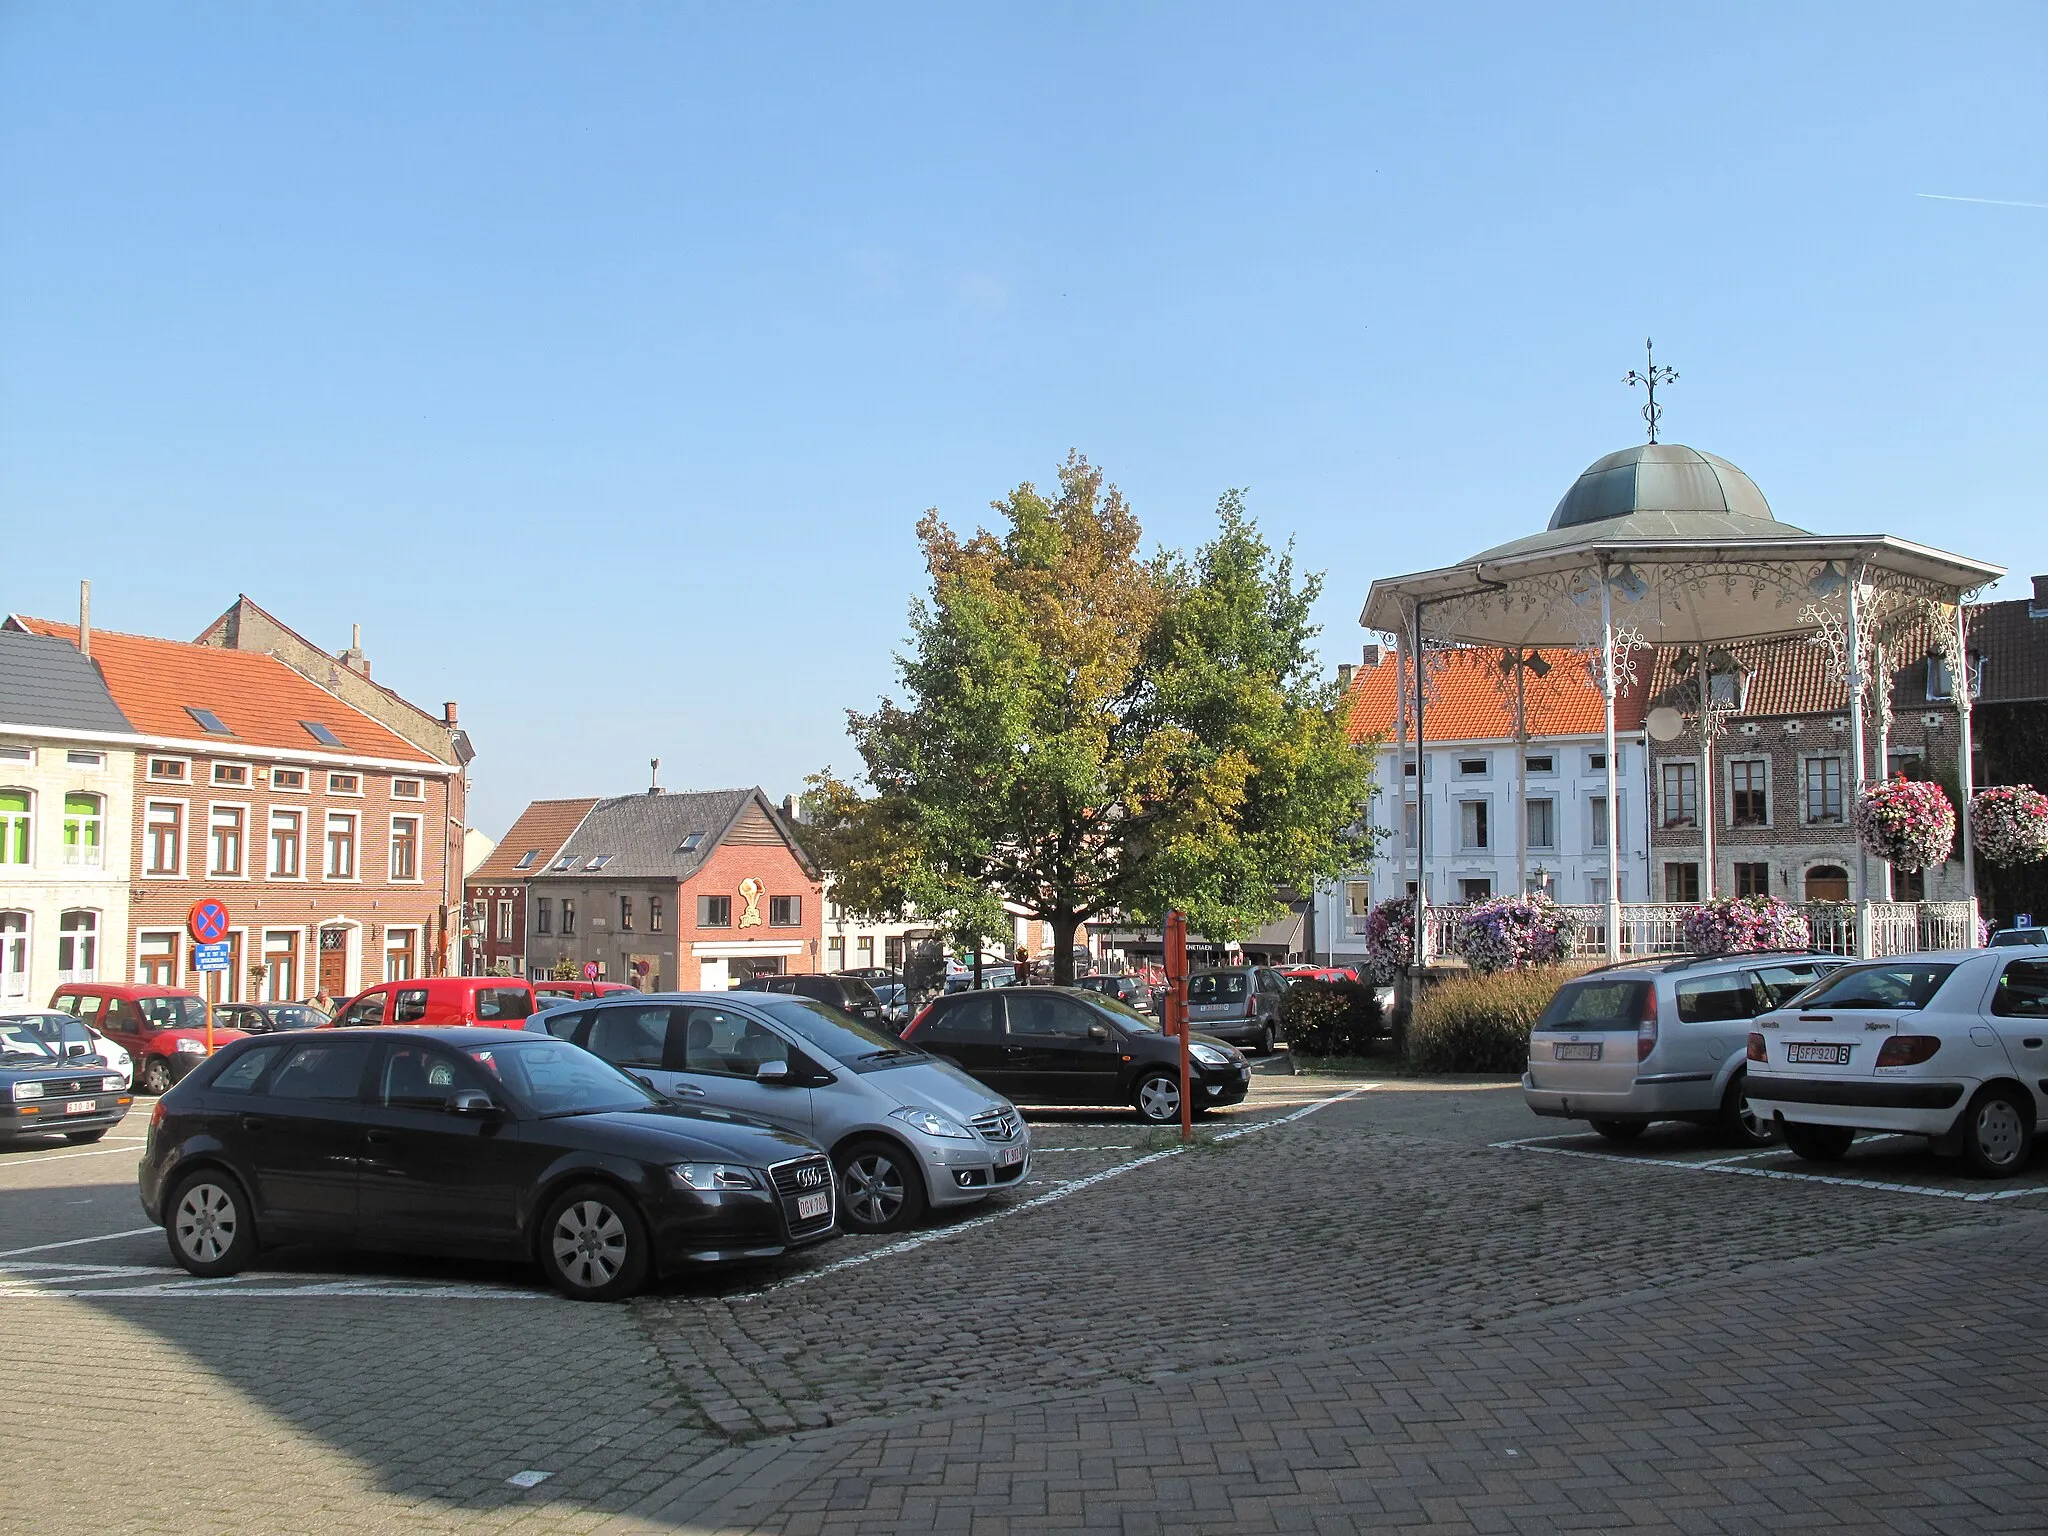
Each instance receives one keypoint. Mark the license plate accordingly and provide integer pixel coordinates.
(1009, 1157)
(1819, 1055)
(81, 1106)
(811, 1207)
(1567, 1051)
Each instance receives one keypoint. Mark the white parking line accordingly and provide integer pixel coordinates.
(36, 1159)
(1729, 1165)
(80, 1242)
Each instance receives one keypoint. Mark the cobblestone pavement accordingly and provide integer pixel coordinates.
(1377, 1313)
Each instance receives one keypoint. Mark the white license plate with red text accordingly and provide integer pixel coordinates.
(1009, 1157)
(81, 1106)
(1567, 1050)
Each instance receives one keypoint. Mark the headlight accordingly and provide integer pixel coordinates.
(27, 1091)
(713, 1176)
(113, 1084)
(1208, 1055)
(931, 1122)
(192, 1047)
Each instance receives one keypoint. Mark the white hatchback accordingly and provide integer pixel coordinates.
(1951, 1046)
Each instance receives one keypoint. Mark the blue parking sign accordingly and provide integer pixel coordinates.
(210, 957)
(2024, 920)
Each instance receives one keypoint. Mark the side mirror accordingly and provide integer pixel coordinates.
(471, 1101)
(1098, 1031)
(77, 1048)
(774, 1073)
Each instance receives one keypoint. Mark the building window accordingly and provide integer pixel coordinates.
(654, 914)
(504, 920)
(287, 828)
(86, 759)
(405, 848)
(1541, 762)
(1596, 762)
(785, 911)
(341, 846)
(1749, 791)
(82, 827)
(1680, 783)
(235, 775)
(1472, 767)
(399, 946)
(1357, 905)
(1824, 789)
(835, 953)
(1542, 823)
(543, 915)
(344, 784)
(1909, 885)
(1940, 686)
(1752, 879)
(1407, 767)
(288, 778)
(78, 946)
(526, 859)
(625, 914)
(1472, 824)
(168, 770)
(568, 918)
(224, 841)
(156, 959)
(1681, 882)
(14, 826)
(1474, 890)
(864, 949)
(281, 965)
(1411, 824)
(163, 838)
(13, 957)
(407, 789)
(714, 911)
(1596, 809)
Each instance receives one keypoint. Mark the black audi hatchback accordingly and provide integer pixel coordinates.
(1063, 1045)
(481, 1143)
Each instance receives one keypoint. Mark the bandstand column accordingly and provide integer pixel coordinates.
(1959, 690)
(1853, 644)
(1613, 784)
(1706, 777)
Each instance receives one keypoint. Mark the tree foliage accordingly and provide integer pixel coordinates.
(1086, 731)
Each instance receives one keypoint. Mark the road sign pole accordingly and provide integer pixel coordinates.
(1177, 1011)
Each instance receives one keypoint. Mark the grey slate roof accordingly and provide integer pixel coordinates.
(45, 682)
(644, 834)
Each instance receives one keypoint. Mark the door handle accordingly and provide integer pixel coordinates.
(378, 1138)
(252, 1123)
(687, 1091)
(1013, 1050)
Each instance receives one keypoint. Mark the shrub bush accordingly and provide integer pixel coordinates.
(1481, 1023)
(1329, 1018)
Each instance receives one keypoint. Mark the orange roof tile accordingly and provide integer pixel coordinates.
(542, 828)
(260, 699)
(1468, 699)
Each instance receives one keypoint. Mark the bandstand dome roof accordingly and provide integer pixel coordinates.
(1667, 478)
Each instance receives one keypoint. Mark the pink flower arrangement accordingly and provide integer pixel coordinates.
(1390, 937)
(1507, 933)
(1742, 924)
(1906, 822)
(2010, 824)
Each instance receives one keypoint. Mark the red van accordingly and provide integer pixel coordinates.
(499, 1002)
(552, 994)
(161, 1028)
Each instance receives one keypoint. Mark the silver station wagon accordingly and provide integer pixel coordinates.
(905, 1130)
(1661, 1040)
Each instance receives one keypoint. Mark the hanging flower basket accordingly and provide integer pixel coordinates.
(1738, 925)
(1390, 937)
(1907, 823)
(2010, 824)
(1507, 933)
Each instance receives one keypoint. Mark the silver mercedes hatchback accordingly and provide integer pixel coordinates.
(905, 1131)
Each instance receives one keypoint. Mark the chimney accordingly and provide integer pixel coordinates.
(449, 713)
(654, 775)
(353, 657)
(790, 812)
(2038, 608)
(1343, 677)
(1371, 655)
(85, 616)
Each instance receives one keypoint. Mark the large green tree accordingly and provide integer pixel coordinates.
(1085, 731)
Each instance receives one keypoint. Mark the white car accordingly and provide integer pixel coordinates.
(61, 1032)
(1952, 1046)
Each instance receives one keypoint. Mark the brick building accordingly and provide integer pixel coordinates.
(494, 893)
(326, 834)
(678, 891)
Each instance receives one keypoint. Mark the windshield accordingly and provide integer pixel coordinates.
(844, 1039)
(1218, 987)
(553, 1077)
(20, 1043)
(296, 1018)
(1895, 984)
(53, 1029)
(172, 1012)
(1123, 1013)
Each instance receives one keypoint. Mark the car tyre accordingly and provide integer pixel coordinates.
(1818, 1143)
(1620, 1130)
(1738, 1125)
(156, 1076)
(1157, 1097)
(209, 1225)
(594, 1246)
(881, 1188)
(1266, 1041)
(80, 1138)
(1998, 1133)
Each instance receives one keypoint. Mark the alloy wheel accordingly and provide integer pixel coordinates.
(1159, 1099)
(206, 1221)
(156, 1078)
(2000, 1132)
(872, 1188)
(590, 1244)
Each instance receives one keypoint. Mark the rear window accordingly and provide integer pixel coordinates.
(1217, 987)
(1595, 1004)
(859, 992)
(1895, 984)
(1716, 999)
(503, 1002)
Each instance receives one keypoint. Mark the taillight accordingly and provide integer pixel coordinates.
(911, 1028)
(1907, 1050)
(1646, 1024)
(156, 1116)
(1756, 1049)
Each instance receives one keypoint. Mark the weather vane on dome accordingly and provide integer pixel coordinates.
(1650, 378)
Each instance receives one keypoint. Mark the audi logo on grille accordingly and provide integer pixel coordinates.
(810, 1178)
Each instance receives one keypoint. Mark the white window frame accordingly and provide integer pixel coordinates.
(1529, 764)
(1806, 818)
(406, 941)
(1485, 803)
(270, 843)
(184, 841)
(504, 922)
(1483, 759)
(303, 787)
(1665, 766)
(151, 776)
(353, 794)
(99, 820)
(175, 951)
(1529, 805)
(28, 819)
(228, 805)
(84, 761)
(92, 935)
(214, 780)
(355, 823)
(18, 752)
(419, 850)
(1596, 820)
(419, 789)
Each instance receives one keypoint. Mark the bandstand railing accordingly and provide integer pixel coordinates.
(1658, 927)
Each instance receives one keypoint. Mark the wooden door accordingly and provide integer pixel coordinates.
(334, 961)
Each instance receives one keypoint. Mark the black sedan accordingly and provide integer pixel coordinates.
(1063, 1045)
(483, 1143)
(46, 1093)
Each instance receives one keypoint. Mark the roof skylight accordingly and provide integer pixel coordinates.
(320, 733)
(691, 843)
(564, 862)
(526, 859)
(209, 722)
(599, 862)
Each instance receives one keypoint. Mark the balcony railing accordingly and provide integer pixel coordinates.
(1658, 927)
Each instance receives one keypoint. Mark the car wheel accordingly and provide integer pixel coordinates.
(1266, 1041)
(81, 1137)
(1818, 1143)
(156, 1076)
(1158, 1098)
(1997, 1135)
(209, 1226)
(1738, 1125)
(880, 1188)
(1620, 1130)
(593, 1245)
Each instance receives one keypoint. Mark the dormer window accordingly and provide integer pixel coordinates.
(1940, 686)
(209, 722)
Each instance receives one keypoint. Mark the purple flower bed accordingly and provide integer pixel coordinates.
(1390, 937)
(2010, 824)
(1907, 823)
(1508, 933)
(1742, 924)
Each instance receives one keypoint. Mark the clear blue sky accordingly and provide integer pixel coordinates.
(598, 358)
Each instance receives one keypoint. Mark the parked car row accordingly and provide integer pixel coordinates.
(53, 1083)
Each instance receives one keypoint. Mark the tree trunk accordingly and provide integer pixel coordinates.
(1064, 927)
